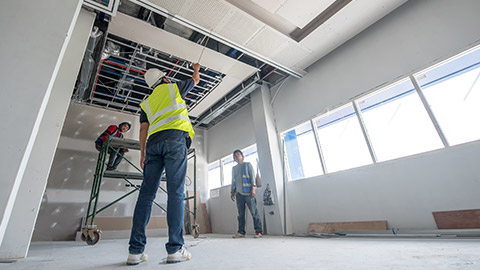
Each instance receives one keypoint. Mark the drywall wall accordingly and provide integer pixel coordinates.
(404, 192)
(410, 38)
(66, 198)
(69, 183)
(20, 227)
(34, 50)
(235, 132)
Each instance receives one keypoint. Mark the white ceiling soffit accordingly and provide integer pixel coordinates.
(304, 10)
(260, 26)
(141, 32)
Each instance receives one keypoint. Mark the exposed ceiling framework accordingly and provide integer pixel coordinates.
(120, 84)
(247, 42)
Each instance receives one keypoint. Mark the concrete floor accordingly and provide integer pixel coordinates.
(271, 252)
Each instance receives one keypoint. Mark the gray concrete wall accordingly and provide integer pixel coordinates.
(235, 132)
(403, 191)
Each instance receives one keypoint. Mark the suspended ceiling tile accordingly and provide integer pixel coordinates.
(207, 13)
(239, 26)
(270, 5)
(268, 42)
(173, 7)
(226, 86)
(301, 12)
(292, 54)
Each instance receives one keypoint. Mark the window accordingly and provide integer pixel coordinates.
(302, 152)
(397, 123)
(341, 139)
(214, 180)
(228, 164)
(452, 90)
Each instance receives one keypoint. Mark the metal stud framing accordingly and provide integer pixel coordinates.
(120, 85)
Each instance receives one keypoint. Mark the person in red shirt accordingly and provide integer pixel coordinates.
(114, 131)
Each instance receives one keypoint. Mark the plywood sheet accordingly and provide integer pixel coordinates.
(458, 219)
(331, 227)
(202, 216)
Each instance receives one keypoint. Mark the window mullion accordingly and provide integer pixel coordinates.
(365, 133)
(429, 111)
(222, 178)
(319, 147)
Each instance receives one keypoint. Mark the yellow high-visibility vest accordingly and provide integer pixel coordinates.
(166, 109)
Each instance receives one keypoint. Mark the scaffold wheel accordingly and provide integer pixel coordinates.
(93, 238)
(195, 230)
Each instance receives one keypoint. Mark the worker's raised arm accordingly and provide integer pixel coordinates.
(196, 74)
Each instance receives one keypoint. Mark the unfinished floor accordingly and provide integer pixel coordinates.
(215, 251)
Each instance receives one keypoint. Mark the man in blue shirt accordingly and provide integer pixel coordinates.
(243, 190)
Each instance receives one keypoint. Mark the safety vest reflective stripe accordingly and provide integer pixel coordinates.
(173, 96)
(148, 110)
(162, 115)
(165, 110)
(167, 120)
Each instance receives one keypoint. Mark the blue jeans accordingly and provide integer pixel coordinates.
(114, 159)
(170, 155)
(251, 203)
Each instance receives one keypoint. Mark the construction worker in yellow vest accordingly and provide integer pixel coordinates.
(164, 121)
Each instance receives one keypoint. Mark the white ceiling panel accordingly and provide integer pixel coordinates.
(270, 5)
(292, 54)
(344, 25)
(173, 7)
(207, 13)
(268, 42)
(235, 21)
(301, 12)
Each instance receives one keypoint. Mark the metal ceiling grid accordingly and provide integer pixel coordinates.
(120, 85)
(117, 82)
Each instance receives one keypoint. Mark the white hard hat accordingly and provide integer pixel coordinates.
(152, 76)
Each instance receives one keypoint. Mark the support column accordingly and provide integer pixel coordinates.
(37, 95)
(269, 156)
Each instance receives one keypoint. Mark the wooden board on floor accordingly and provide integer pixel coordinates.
(458, 219)
(331, 227)
(202, 216)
